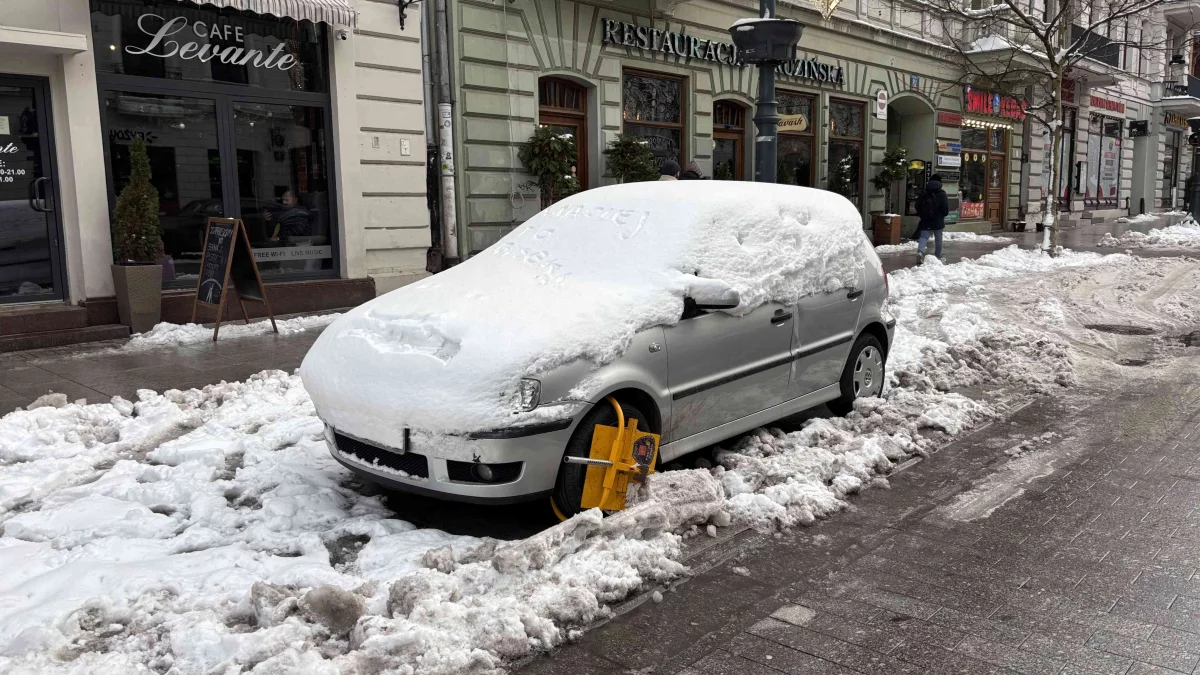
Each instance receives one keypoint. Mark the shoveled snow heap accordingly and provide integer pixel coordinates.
(946, 236)
(517, 309)
(174, 334)
(210, 530)
(1183, 235)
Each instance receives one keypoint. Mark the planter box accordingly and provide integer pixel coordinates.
(139, 295)
(886, 229)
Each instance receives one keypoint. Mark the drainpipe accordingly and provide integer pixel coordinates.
(445, 112)
(433, 173)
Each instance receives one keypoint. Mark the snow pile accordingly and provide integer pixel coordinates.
(174, 334)
(1140, 218)
(1183, 235)
(517, 309)
(210, 530)
(946, 236)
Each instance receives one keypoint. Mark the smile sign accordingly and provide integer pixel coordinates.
(176, 37)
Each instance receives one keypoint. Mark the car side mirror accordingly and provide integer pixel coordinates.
(711, 294)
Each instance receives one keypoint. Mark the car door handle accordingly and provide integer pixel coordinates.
(780, 316)
(854, 294)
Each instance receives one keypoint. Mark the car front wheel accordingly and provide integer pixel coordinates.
(568, 490)
(863, 375)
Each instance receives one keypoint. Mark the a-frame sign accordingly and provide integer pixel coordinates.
(228, 266)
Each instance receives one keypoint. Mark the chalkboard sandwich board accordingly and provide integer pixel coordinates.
(228, 266)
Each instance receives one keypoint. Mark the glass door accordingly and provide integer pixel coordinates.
(30, 257)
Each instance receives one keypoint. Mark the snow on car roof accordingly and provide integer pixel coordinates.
(578, 281)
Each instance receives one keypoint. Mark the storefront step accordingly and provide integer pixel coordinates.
(41, 319)
(61, 338)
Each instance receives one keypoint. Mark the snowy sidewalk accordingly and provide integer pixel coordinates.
(1088, 562)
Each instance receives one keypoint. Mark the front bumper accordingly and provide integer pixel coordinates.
(433, 465)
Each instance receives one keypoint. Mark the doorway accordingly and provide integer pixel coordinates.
(729, 138)
(562, 106)
(31, 266)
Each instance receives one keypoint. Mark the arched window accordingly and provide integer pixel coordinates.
(729, 139)
(562, 105)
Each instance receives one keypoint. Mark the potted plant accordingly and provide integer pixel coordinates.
(137, 246)
(630, 160)
(551, 157)
(893, 168)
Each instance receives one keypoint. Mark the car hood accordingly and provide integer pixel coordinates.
(576, 282)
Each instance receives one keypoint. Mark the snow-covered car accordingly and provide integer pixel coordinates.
(706, 309)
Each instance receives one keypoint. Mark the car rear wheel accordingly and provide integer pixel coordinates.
(863, 375)
(568, 490)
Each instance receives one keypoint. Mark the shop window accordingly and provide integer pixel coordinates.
(1066, 161)
(984, 171)
(562, 106)
(653, 110)
(177, 42)
(1102, 177)
(1170, 169)
(236, 138)
(796, 141)
(729, 138)
(846, 130)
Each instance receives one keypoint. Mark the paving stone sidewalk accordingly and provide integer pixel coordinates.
(1091, 566)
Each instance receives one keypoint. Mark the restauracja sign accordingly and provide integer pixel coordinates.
(645, 38)
(163, 48)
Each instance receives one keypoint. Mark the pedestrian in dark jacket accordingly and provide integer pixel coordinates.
(692, 171)
(932, 207)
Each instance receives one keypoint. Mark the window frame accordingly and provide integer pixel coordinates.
(731, 132)
(683, 109)
(859, 140)
(811, 134)
(549, 114)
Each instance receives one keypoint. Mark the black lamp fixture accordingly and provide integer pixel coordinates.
(404, 5)
(766, 42)
(1177, 60)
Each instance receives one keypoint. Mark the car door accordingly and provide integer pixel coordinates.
(824, 329)
(722, 367)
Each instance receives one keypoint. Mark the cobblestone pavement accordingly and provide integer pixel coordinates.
(1087, 564)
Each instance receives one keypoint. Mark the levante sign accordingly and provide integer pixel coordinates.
(649, 39)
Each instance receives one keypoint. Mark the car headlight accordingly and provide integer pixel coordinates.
(529, 394)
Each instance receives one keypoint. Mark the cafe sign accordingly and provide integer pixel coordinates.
(179, 38)
(648, 39)
(1174, 119)
(980, 102)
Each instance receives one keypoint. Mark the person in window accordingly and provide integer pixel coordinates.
(932, 207)
(669, 170)
(291, 218)
(692, 171)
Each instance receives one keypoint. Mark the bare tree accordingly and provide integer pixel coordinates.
(1027, 49)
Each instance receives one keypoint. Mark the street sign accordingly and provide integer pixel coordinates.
(881, 101)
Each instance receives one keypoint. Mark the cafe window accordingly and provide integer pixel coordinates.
(1103, 175)
(846, 131)
(729, 138)
(228, 140)
(1170, 169)
(984, 171)
(562, 106)
(652, 109)
(796, 140)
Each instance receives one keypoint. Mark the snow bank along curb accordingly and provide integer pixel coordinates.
(946, 236)
(1184, 235)
(210, 529)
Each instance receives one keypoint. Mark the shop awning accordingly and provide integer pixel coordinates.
(332, 12)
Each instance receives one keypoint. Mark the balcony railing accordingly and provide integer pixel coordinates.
(1183, 85)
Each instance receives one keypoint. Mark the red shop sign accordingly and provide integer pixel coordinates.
(1105, 104)
(995, 105)
(949, 119)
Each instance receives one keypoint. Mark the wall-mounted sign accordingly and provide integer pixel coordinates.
(949, 161)
(647, 39)
(881, 99)
(1174, 119)
(793, 123)
(981, 102)
(1139, 128)
(914, 82)
(949, 119)
(949, 146)
(170, 38)
(1105, 104)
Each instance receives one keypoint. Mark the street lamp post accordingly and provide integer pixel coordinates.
(1194, 140)
(766, 42)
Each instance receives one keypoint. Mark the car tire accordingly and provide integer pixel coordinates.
(862, 376)
(568, 489)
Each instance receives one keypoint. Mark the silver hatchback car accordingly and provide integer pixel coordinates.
(706, 309)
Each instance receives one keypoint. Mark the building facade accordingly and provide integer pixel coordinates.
(308, 128)
(868, 79)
